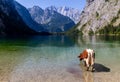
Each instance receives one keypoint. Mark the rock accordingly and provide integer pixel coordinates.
(100, 17)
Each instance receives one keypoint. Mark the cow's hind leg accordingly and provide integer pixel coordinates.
(93, 68)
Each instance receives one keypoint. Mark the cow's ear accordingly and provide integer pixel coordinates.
(81, 56)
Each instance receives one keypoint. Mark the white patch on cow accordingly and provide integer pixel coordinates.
(90, 57)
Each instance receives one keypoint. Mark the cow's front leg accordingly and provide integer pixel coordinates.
(87, 64)
(87, 69)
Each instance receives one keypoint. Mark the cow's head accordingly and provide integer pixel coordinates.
(83, 55)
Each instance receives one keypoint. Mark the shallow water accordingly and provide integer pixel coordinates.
(54, 59)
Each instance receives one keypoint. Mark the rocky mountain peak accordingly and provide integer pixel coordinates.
(53, 8)
(36, 9)
(51, 19)
(72, 13)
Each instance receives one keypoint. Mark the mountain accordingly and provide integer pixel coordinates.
(25, 15)
(99, 17)
(50, 19)
(12, 21)
(72, 13)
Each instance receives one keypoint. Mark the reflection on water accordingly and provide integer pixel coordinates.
(34, 41)
(54, 59)
(88, 77)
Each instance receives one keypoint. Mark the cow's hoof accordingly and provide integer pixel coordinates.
(87, 69)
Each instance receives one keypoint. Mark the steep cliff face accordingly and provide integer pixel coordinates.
(100, 17)
(25, 15)
(10, 20)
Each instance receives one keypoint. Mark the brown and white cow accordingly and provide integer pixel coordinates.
(88, 56)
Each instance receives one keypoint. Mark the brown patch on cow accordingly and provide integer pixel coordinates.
(83, 55)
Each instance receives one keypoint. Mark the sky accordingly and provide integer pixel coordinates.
(78, 4)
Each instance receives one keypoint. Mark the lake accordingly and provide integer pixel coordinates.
(54, 59)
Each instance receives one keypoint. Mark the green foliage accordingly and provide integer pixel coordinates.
(116, 2)
(119, 12)
(83, 26)
(106, 0)
(115, 18)
(97, 14)
(74, 31)
(107, 30)
(91, 32)
(110, 30)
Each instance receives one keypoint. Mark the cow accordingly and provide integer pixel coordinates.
(88, 56)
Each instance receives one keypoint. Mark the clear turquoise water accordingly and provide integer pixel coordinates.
(54, 58)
